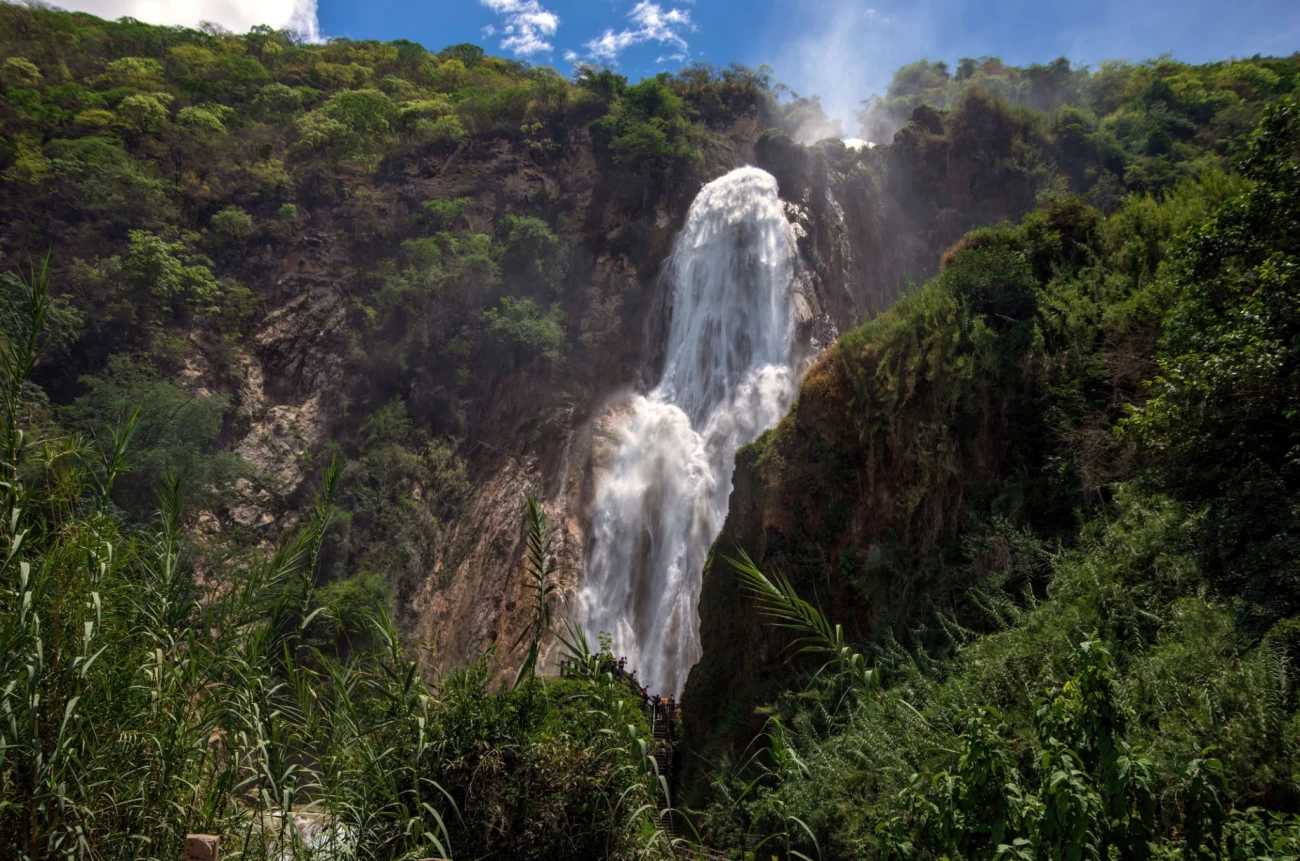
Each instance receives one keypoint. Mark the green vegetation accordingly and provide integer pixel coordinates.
(1120, 126)
(1079, 606)
(144, 695)
(161, 161)
(174, 439)
(1047, 500)
(647, 122)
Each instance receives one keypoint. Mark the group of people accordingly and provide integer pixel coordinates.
(618, 668)
(660, 708)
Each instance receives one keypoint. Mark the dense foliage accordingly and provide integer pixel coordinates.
(175, 170)
(1073, 633)
(1081, 623)
(1120, 126)
(145, 695)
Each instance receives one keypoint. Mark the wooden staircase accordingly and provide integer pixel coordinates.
(662, 733)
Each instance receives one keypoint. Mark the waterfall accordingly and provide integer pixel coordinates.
(727, 377)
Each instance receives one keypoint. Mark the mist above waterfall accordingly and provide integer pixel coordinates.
(726, 378)
(844, 51)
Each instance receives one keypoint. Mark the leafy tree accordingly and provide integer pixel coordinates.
(173, 435)
(95, 119)
(232, 224)
(276, 101)
(445, 214)
(141, 115)
(526, 330)
(368, 111)
(139, 73)
(1220, 425)
(97, 176)
(159, 270)
(20, 72)
(442, 130)
(529, 244)
(316, 130)
(201, 119)
(649, 124)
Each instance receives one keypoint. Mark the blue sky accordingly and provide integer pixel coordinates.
(843, 50)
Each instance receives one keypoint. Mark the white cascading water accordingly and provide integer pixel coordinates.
(727, 377)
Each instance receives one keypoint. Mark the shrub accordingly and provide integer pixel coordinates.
(528, 331)
(202, 120)
(365, 111)
(232, 225)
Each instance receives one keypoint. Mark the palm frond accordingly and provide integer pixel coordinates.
(777, 599)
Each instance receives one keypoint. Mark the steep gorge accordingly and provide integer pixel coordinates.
(548, 428)
(318, 227)
(552, 433)
(1031, 504)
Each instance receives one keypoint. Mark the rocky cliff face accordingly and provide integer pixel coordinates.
(868, 222)
(539, 435)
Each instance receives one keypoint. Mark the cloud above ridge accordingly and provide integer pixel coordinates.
(235, 15)
(527, 27)
(650, 23)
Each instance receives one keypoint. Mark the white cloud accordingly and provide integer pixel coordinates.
(527, 26)
(570, 56)
(650, 23)
(235, 15)
(489, 31)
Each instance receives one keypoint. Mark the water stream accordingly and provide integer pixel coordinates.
(727, 377)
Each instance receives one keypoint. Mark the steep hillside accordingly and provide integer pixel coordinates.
(917, 429)
(432, 265)
(1050, 497)
(288, 331)
(439, 267)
